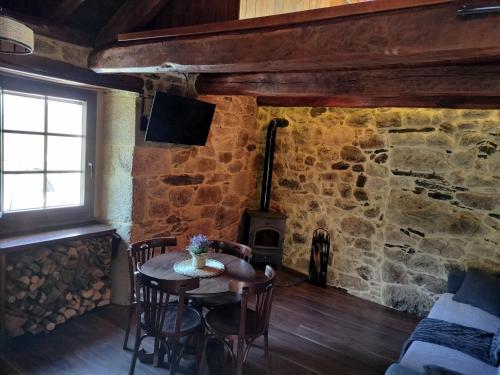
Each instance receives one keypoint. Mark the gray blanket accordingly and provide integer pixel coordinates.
(472, 341)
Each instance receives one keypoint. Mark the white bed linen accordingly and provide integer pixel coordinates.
(461, 313)
(420, 354)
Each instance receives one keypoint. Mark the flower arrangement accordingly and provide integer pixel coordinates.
(199, 245)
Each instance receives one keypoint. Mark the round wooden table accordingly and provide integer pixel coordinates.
(162, 267)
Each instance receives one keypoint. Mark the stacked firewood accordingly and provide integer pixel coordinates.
(48, 285)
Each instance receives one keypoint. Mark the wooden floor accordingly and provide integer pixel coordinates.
(313, 331)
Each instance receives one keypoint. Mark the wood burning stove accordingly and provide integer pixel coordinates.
(265, 230)
(265, 235)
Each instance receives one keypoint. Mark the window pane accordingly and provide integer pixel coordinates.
(64, 153)
(23, 152)
(65, 117)
(23, 191)
(64, 189)
(24, 113)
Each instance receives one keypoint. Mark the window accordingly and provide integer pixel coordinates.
(47, 134)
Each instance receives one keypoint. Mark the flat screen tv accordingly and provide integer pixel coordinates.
(176, 119)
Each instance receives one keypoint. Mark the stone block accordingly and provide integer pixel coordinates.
(357, 226)
(394, 273)
(372, 142)
(359, 119)
(419, 159)
(388, 119)
(151, 162)
(407, 298)
(479, 201)
(183, 179)
(417, 211)
(352, 154)
(180, 197)
(432, 284)
(207, 195)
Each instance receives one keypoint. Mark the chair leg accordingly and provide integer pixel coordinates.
(203, 355)
(136, 349)
(174, 362)
(266, 353)
(156, 353)
(239, 357)
(131, 309)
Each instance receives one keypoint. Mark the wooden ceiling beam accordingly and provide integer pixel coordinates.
(440, 86)
(52, 30)
(449, 80)
(65, 9)
(57, 71)
(431, 34)
(132, 14)
(458, 102)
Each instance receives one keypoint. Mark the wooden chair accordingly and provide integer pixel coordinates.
(163, 320)
(227, 247)
(141, 252)
(233, 248)
(241, 324)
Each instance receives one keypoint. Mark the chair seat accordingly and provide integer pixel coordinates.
(191, 320)
(226, 320)
(218, 301)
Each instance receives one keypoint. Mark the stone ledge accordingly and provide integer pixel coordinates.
(19, 242)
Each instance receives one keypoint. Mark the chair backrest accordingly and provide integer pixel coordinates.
(142, 251)
(233, 248)
(261, 291)
(154, 302)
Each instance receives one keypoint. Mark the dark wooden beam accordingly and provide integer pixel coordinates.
(56, 71)
(447, 80)
(52, 30)
(431, 34)
(131, 15)
(65, 9)
(377, 102)
(441, 86)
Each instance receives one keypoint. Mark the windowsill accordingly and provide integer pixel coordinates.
(12, 243)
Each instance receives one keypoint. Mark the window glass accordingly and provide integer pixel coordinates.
(23, 192)
(23, 152)
(64, 189)
(65, 117)
(64, 153)
(29, 145)
(24, 113)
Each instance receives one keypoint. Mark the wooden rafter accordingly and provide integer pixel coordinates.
(431, 34)
(472, 85)
(65, 9)
(456, 80)
(52, 30)
(131, 15)
(57, 71)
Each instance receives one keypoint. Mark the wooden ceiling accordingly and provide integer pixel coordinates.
(97, 22)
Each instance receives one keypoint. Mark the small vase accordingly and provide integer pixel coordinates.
(199, 261)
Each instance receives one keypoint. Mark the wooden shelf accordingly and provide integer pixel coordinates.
(22, 241)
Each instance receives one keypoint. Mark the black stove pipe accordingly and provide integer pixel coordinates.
(265, 195)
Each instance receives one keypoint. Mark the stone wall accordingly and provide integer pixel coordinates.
(48, 285)
(184, 190)
(408, 194)
(116, 126)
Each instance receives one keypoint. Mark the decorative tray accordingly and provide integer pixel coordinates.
(212, 268)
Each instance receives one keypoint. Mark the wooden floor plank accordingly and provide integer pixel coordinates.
(313, 331)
